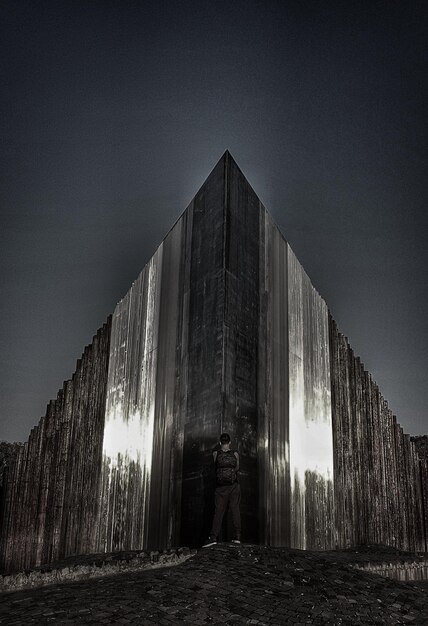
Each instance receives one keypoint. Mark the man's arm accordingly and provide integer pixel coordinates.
(237, 461)
(215, 455)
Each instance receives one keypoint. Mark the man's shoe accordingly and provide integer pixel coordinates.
(211, 541)
(236, 541)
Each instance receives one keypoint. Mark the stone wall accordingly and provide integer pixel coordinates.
(380, 483)
(50, 505)
(295, 432)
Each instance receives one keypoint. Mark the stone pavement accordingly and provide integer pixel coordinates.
(228, 584)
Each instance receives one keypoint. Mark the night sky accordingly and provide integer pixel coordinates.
(113, 113)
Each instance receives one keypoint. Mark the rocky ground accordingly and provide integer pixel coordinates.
(226, 584)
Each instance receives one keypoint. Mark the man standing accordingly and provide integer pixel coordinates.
(228, 490)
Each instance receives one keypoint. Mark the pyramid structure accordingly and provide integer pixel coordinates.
(221, 331)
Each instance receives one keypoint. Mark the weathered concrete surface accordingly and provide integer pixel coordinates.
(232, 585)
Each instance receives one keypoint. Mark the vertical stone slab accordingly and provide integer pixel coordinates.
(375, 473)
(423, 473)
(9, 525)
(95, 419)
(61, 471)
(182, 374)
(240, 336)
(358, 438)
(310, 422)
(338, 433)
(273, 441)
(203, 421)
(296, 403)
(420, 530)
(130, 411)
(85, 406)
(166, 416)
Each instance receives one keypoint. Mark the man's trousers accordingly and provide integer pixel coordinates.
(227, 495)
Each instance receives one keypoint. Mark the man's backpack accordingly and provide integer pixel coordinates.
(225, 465)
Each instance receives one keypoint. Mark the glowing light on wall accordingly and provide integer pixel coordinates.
(130, 408)
(311, 442)
(132, 439)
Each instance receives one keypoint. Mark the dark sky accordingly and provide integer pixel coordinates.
(114, 112)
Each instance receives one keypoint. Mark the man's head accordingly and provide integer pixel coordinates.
(224, 439)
